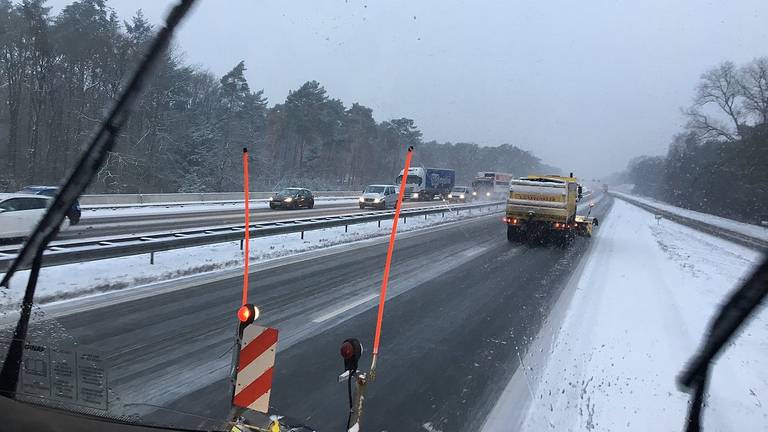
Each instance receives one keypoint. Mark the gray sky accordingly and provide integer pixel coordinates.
(585, 85)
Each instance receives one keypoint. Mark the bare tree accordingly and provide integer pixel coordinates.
(719, 86)
(705, 127)
(754, 88)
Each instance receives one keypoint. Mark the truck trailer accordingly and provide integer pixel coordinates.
(427, 183)
(491, 185)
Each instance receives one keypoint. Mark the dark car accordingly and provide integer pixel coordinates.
(74, 212)
(292, 198)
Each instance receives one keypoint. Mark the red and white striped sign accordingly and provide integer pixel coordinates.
(254, 368)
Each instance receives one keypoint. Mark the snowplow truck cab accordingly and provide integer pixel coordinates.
(545, 205)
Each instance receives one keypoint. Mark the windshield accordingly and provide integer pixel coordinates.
(288, 192)
(168, 175)
(411, 179)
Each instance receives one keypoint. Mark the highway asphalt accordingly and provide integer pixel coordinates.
(463, 302)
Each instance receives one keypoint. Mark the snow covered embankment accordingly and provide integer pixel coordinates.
(75, 280)
(754, 234)
(638, 312)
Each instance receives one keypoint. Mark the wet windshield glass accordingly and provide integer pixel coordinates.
(591, 189)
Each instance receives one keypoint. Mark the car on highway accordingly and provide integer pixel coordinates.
(20, 213)
(292, 198)
(460, 194)
(379, 196)
(74, 212)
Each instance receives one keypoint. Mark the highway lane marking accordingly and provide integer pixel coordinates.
(476, 250)
(344, 308)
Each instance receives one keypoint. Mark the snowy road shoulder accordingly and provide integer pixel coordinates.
(638, 312)
(755, 231)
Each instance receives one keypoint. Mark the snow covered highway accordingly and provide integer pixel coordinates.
(450, 283)
(466, 309)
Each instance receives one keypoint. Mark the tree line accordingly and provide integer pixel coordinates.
(719, 163)
(60, 73)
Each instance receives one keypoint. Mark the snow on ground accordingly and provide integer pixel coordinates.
(740, 227)
(173, 208)
(637, 314)
(75, 280)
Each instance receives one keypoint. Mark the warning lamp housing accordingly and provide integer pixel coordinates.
(247, 314)
(351, 351)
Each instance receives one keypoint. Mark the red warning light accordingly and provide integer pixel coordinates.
(247, 313)
(347, 350)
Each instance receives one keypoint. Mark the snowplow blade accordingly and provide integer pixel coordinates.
(585, 225)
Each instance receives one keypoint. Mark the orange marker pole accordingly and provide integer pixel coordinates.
(390, 249)
(247, 224)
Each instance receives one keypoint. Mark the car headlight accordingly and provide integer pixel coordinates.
(289, 199)
(271, 198)
(414, 195)
(450, 195)
(487, 194)
(461, 196)
(377, 200)
(361, 199)
(474, 193)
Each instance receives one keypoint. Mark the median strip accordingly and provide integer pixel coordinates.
(95, 276)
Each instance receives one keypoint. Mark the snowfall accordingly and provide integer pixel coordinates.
(624, 328)
(627, 322)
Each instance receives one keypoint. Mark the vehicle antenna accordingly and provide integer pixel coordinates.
(247, 226)
(351, 349)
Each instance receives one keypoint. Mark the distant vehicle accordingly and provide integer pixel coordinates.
(74, 212)
(292, 198)
(461, 194)
(20, 213)
(489, 184)
(427, 183)
(379, 196)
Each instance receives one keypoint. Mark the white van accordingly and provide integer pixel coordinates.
(379, 196)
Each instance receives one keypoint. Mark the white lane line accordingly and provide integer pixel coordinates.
(476, 250)
(344, 308)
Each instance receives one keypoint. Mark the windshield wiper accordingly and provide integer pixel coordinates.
(729, 319)
(87, 167)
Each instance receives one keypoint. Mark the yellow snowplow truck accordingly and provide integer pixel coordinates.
(545, 206)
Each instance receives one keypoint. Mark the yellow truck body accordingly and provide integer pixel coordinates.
(545, 204)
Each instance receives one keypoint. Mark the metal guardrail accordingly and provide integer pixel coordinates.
(718, 231)
(108, 200)
(74, 251)
(256, 199)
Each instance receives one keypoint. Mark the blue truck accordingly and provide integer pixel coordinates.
(427, 183)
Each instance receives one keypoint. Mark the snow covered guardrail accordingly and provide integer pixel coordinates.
(748, 235)
(74, 251)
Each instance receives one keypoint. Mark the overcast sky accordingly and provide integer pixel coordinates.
(585, 85)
